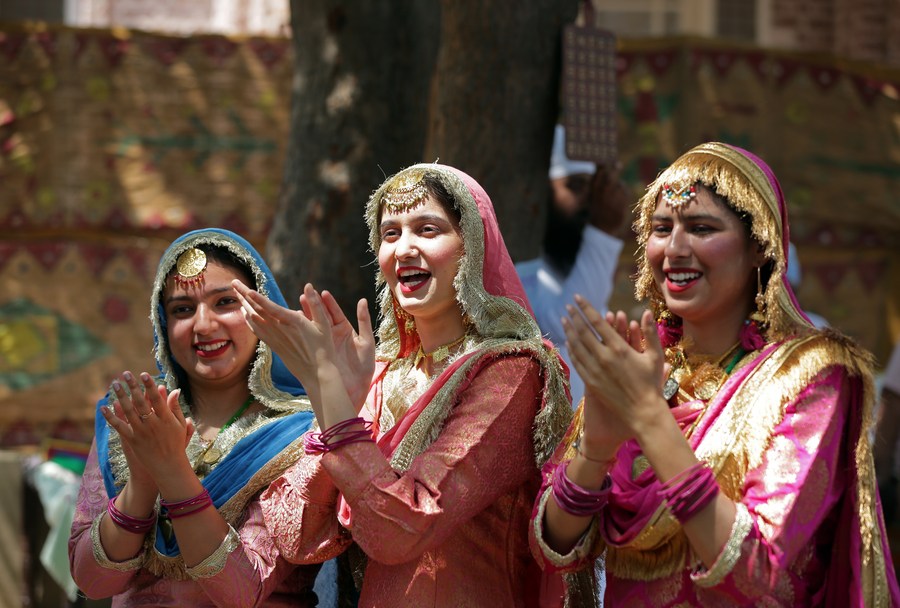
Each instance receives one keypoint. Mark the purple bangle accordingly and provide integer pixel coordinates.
(135, 525)
(575, 500)
(183, 508)
(690, 491)
(337, 436)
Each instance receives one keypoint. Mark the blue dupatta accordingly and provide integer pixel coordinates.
(270, 383)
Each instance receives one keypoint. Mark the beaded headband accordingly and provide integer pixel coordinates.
(405, 192)
(190, 267)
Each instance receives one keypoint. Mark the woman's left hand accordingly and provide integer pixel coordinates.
(622, 371)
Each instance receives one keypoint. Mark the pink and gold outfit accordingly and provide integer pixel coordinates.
(440, 504)
(786, 435)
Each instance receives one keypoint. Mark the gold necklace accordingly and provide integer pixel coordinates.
(440, 353)
(211, 455)
(705, 377)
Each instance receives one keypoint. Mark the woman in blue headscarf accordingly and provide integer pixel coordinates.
(168, 511)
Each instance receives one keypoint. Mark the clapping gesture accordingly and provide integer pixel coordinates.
(622, 365)
(316, 339)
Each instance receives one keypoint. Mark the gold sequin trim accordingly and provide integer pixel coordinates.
(731, 552)
(129, 565)
(215, 563)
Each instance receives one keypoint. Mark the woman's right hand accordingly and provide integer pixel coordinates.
(354, 352)
(311, 342)
(608, 353)
(151, 426)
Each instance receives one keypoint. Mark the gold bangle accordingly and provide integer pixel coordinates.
(577, 445)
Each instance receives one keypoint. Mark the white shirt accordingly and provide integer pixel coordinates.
(548, 291)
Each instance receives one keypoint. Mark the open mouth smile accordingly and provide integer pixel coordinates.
(208, 350)
(681, 280)
(412, 278)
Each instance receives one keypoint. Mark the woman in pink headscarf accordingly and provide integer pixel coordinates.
(747, 480)
(465, 404)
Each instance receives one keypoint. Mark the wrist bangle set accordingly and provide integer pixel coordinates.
(135, 525)
(183, 508)
(338, 435)
(172, 510)
(685, 495)
(689, 491)
(575, 500)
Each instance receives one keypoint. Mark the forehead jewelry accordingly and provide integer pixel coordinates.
(676, 197)
(405, 192)
(190, 267)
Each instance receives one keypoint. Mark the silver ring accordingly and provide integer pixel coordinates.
(147, 415)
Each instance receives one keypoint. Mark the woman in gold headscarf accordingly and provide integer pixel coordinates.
(721, 454)
(437, 472)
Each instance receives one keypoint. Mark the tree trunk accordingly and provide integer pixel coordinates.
(495, 103)
(381, 85)
(361, 76)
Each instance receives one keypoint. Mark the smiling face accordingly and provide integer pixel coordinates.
(703, 259)
(207, 334)
(419, 256)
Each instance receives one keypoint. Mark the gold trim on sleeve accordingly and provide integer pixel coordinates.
(731, 552)
(215, 563)
(129, 565)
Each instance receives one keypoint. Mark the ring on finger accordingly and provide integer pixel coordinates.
(147, 415)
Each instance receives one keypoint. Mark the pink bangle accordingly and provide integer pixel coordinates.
(575, 500)
(183, 508)
(135, 525)
(337, 436)
(690, 491)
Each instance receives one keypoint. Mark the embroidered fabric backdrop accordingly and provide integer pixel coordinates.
(113, 142)
(829, 129)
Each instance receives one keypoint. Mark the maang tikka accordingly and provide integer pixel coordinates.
(190, 267)
(675, 197)
(406, 192)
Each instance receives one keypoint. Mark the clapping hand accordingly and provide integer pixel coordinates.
(318, 333)
(622, 364)
(151, 425)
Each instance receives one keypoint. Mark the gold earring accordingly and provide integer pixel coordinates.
(759, 315)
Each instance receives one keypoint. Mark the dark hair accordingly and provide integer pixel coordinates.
(440, 193)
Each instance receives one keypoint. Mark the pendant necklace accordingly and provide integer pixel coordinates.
(671, 386)
(211, 454)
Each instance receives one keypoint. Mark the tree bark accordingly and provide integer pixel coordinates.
(495, 103)
(381, 85)
(358, 114)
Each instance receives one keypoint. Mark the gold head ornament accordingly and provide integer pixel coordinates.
(190, 267)
(676, 197)
(405, 192)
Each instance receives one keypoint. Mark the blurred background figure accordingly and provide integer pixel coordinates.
(586, 216)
